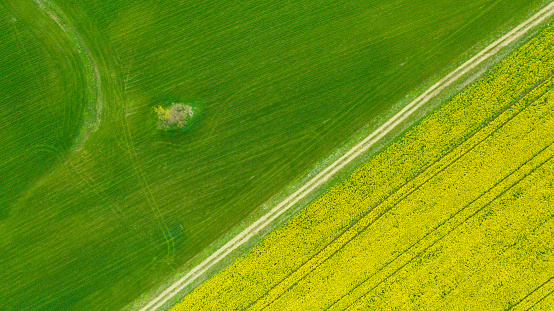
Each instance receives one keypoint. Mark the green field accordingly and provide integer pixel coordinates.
(90, 220)
(454, 215)
(42, 94)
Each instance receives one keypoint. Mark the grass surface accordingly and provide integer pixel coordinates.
(454, 215)
(282, 84)
(42, 91)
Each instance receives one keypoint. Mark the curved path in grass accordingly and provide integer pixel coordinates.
(92, 112)
(349, 156)
(46, 98)
(93, 109)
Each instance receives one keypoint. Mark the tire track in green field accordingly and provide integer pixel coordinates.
(53, 26)
(504, 191)
(101, 88)
(92, 119)
(409, 182)
(125, 142)
(128, 141)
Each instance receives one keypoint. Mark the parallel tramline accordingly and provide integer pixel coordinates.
(356, 300)
(538, 160)
(523, 171)
(546, 301)
(417, 187)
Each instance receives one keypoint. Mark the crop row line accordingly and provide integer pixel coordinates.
(483, 267)
(525, 169)
(540, 300)
(545, 285)
(434, 166)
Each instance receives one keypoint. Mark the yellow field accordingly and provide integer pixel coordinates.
(453, 216)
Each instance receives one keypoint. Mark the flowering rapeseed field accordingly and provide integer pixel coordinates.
(454, 215)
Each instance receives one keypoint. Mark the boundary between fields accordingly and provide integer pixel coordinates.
(419, 185)
(348, 157)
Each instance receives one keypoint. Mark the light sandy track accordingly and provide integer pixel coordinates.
(348, 157)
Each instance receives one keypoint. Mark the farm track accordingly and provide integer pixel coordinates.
(435, 168)
(352, 154)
